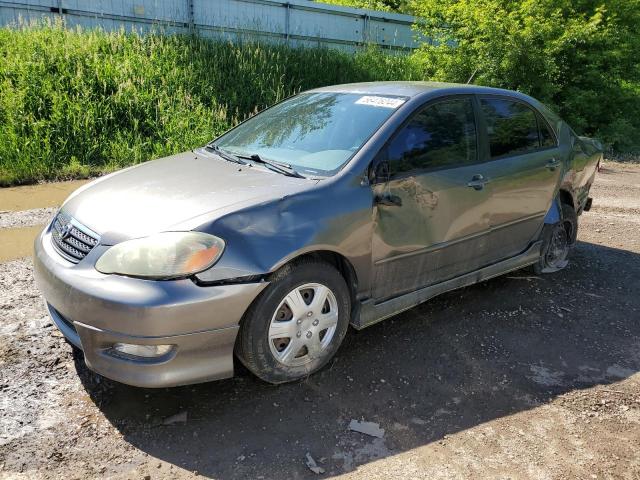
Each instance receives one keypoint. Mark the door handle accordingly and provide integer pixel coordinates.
(552, 164)
(477, 182)
(388, 200)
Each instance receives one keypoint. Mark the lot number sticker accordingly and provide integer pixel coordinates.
(384, 102)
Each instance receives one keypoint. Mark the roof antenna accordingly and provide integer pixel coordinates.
(472, 75)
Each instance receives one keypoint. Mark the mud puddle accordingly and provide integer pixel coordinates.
(17, 242)
(15, 199)
(25, 210)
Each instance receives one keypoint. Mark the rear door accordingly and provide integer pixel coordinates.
(431, 214)
(523, 172)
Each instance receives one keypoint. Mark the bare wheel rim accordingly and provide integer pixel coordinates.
(558, 247)
(303, 325)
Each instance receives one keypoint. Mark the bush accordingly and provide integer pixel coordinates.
(581, 57)
(77, 103)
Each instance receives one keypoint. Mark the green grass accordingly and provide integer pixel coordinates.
(76, 103)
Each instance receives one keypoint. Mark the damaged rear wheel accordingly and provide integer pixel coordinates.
(297, 324)
(557, 241)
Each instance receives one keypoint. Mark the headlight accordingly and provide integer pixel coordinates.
(162, 256)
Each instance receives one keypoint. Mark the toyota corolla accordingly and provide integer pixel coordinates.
(339, 206)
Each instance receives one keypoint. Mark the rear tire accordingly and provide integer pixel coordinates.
(297, 323)
(557, 241)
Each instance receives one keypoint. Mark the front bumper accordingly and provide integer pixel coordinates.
(94, 311)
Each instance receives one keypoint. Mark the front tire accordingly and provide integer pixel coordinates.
(297, 324)
(557, 241)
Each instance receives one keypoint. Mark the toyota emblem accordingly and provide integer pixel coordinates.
(66, 231)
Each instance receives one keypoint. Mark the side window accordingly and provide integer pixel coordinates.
(512, 127)
(547, 139)
(443, 135)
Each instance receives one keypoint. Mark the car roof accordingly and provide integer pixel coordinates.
(412, 89)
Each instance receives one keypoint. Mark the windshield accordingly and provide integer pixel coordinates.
(315, 133)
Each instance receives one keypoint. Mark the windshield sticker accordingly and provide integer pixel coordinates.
(384, 102)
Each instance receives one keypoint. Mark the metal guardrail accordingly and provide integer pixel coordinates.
(297, 22)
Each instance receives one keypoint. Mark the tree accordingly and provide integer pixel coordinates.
(383, 5)
(582, 57)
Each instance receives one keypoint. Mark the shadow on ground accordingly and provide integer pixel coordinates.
(467, 357)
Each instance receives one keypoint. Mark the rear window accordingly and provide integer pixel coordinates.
(512, 127)
(547, 139)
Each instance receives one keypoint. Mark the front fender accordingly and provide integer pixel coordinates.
(335, 216)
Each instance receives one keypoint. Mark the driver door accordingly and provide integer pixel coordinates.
(431, 207)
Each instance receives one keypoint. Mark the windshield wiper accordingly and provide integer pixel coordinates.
(225, 155)
(283, 168)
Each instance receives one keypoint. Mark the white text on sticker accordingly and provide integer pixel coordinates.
(384, 102)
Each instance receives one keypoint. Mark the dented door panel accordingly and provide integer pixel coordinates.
(521, 189)
(437, 233)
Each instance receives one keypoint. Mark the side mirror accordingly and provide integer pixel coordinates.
(380, 173)
(388, 200)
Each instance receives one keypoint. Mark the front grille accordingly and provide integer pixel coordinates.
(72, 240)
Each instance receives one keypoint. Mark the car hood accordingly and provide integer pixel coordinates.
(167, 193)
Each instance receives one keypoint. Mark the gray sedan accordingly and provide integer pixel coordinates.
(339, 206)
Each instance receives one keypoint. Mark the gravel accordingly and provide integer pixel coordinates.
(26, 218)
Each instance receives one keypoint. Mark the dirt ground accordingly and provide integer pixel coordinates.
(517, 377)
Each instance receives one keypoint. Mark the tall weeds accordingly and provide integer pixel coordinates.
(79, 102)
